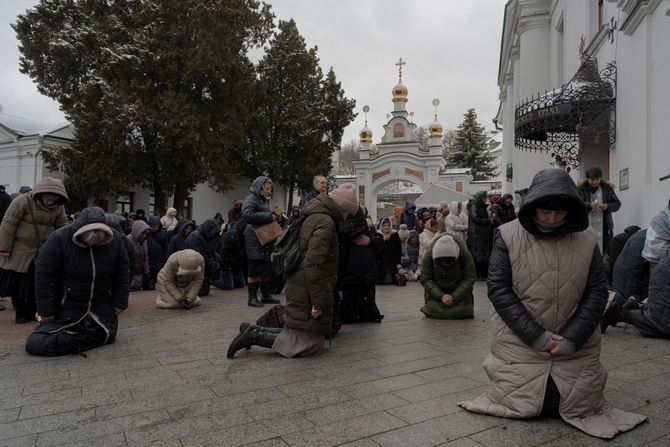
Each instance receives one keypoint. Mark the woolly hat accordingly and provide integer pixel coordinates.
(446, 247)
(345, 198)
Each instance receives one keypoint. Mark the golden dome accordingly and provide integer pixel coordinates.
(365, 134)
(399, 92)
(435, 130)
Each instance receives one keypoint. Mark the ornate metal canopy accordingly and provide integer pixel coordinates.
(564, 120)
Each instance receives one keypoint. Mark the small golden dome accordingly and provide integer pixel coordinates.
(435, 130)
(399, 92)
(365, 134)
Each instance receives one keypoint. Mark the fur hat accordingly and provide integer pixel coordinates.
(345, 198)
(446, 247)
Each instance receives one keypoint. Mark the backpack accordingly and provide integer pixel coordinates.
(287, 256)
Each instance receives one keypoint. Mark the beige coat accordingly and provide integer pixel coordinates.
(180, 279)
(456, 224)
(425, 239)
(542, 270)
(20, 235)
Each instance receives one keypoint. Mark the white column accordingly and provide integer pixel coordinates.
(508, 133)
(534, 77)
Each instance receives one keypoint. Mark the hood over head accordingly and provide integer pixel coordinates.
(479, 195)
(91, 228)
(116, 222)
(24, 189)
(49, 185)
(171, 212)
(209, 229)
(554, 189)
(257, 185)
(409, 205)
(453, 207)
(182, 224)
(139, 227)
(190, 262)
(153, 220)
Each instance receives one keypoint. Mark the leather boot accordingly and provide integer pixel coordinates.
(253, 295)
(252, 336)
(613, 315)
(631, 303)
(265, 294)
(244, 326)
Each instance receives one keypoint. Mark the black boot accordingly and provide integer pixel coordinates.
(613, 315)
(631, 303)
(252, 287)
(252, 336)
(265, 294)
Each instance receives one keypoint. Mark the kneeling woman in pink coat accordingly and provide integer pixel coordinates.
(180, 279)
(547, 284)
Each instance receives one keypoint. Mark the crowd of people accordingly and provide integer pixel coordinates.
(551, 263)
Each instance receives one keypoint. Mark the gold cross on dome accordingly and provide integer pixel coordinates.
(400, 63)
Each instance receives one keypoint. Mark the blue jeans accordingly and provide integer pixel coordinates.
(229, 280)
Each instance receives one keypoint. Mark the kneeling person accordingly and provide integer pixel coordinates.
(81, 284)
(180, 280)
(448, 276)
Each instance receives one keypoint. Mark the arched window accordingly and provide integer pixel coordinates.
(398, 130)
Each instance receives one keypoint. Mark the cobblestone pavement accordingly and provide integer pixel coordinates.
(167, 382)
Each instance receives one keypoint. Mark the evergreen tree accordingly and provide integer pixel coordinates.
(469, 149)
(157, 90)
(300, 114)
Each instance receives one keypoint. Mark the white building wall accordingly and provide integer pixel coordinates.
(643, 90)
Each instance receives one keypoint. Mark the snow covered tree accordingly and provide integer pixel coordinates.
(157, 90)
(469, 149)
(299, 117)
(348, 153)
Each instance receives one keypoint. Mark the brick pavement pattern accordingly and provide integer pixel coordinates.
(167, 382)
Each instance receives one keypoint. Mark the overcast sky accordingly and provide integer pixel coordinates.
(451, 48)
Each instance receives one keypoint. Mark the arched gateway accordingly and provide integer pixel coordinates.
(400, 154)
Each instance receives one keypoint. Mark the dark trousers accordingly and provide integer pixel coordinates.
(482, 269)
(645, 326)
(86, 335)
(552, 400)
(229, 280)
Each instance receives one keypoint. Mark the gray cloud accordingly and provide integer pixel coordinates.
(451, 48)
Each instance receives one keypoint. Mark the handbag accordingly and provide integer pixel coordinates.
(268, 233)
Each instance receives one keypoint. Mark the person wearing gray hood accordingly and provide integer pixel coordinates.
(257, 211)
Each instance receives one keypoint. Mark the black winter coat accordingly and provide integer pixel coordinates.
(66, 282)
(388, 257)
(5, 200)
(202, 240)
(158, 246)
(361, 267)
(479, 232)
(630, 275)
(257, 211)
(178, 241)
(231, 252)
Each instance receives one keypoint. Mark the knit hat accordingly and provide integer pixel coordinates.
(446, 247)
(345, 198)
(403, 232)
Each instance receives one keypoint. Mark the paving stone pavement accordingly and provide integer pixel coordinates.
(167, 382)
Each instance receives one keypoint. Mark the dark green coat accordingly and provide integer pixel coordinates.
(457, 281)
(314, 282)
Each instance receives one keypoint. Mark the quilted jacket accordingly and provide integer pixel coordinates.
(556, 283)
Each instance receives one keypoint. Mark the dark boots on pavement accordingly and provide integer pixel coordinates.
(252, 287)
(266, 297)
(253, 336)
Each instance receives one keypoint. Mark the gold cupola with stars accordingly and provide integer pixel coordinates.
(365, 134)
(435, 130)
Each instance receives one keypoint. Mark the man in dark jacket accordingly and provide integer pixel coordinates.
(408, 216)
(22, 190)
(320, 184)
(309, 292)
(202, 240)
(81, 285)
(178, 241)
(230, 258)
(601, 201)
